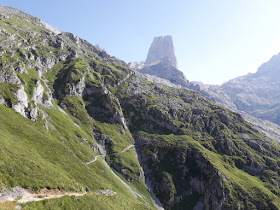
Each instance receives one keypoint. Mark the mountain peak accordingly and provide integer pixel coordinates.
(162, 46)
(7, 12)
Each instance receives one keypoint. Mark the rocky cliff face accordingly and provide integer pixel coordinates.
(162, 46)
(255, 96)
(163, 68)
(257, 93)
(184, 141)
(77, 104)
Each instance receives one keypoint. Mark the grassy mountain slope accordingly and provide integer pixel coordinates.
(74, 103)
(52, 151)
(32, 158)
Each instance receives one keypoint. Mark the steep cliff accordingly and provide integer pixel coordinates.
(162, 62)
(196, 154)
(162, 46)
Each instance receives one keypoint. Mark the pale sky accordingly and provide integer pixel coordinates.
(215, 40)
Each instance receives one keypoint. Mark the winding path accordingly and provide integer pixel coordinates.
(103, 156)
(29, 197)
(127, 148)
(44, 196)
(20, 195)
(95, 158)
(135, 194)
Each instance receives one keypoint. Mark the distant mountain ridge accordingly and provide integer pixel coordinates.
(257, 94)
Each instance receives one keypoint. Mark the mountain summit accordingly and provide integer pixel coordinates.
(162, 63)
(162, 46)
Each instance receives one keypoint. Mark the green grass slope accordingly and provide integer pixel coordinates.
(33, 158)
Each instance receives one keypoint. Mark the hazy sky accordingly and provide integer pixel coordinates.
(215, 40)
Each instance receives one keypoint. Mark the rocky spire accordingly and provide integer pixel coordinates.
(162, 46)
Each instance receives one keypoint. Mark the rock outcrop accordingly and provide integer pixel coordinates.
(256, 96)
(164, 68)
(162, 46)
(187, 173)
(162, 62)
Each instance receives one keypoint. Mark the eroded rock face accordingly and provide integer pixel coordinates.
(8, 76)
(22, 101)
(258, 93)
(182, 174)
(255, 96)
(32, 56)
(162, 46)
(165, 69)
(12, 194)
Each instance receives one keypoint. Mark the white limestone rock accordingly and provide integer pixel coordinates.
(165, 69)
(51, 28)
(13, 194)
(22, 101)
(162, 46)
(38, 93)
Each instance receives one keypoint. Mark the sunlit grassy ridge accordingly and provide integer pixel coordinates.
(32, 157)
